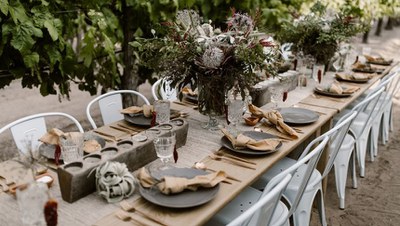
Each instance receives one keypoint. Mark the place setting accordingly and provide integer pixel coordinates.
(378, 60)
(335, 89)
(169, 186)
(366, 68)
(353, 77)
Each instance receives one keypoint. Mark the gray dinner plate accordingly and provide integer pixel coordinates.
(296, 116)
(140, 120)
(326, 93)
(384, 62)
(184, 199)
(369, 70)
(256, 136)
(353, 80)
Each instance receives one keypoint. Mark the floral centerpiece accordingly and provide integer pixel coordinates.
(215, 61)
(319, 33)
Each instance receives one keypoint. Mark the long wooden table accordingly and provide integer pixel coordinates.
(200, 143)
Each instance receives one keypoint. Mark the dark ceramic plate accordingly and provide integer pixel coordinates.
(369, 70)
(383, 62)
(298, 116)
(326, 93)
(140, 120)
(256, 136)
(183, 199)
(353, 80)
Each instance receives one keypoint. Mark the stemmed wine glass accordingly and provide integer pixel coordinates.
(235, 111)
(276, 96)
(164, 146)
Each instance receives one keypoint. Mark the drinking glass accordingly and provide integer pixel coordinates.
(162, 109)
(276, 96)
(235, 111)
(31, 201)
(164, 146)
(71, 150)
(318, 72)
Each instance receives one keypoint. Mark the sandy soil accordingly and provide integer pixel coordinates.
(375, 202)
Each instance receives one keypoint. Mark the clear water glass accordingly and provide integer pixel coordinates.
(276, 96)
(162, 109)
(31, 201)
(71, 151)
(235, 111)
(164, 146)
(318, 72)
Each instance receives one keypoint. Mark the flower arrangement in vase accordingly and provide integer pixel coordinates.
(319, 33)
(196, 54)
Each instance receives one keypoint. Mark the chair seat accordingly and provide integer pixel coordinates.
(243, 202)
(296, 180)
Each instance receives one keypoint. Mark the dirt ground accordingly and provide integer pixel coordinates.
(376, 202)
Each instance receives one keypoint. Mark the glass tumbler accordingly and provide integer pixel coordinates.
(70, 151)
(162, 109)
(164, 146)
(235, 111)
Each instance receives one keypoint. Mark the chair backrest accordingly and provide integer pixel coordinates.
(313, 150)
(161, 89)
(371, 100)
(336, 137)
(264, 208)
(110, 105)
(33, 127)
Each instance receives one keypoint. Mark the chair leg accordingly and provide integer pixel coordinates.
(302, 215)
(321, 208)
(354, 173)
(361, 145)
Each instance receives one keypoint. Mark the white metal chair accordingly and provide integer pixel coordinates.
(33, 127)
(161, 89)
(313, 186)
(110, 104)
(264, 208)
(281, 215)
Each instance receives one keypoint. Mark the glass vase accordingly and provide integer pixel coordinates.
(211, 100)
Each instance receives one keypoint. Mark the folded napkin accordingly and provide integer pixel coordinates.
(189, 91)
(378, 59)
(53, 136)
(353, 76)
(275, 118)
(171, 185)
(146, 109)
(335, 87)
(243, 141)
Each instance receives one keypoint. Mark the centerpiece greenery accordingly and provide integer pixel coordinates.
(319, 33)
(189, 52)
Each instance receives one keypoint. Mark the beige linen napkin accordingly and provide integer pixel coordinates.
(275, 118)
(336, 87)
(53, 136)
(243, 141)
(353, 76)
(172, 185)
(189, 91)
(146, 109)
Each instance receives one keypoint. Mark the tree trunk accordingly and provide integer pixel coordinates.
(128, 80)
(365, 36)
(389, 24)
(379, 27)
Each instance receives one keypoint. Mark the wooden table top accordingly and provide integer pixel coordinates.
(200, 143)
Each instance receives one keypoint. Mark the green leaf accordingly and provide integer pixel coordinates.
(135, 44)
(22, 40)
(17, 12)
(4, 7)
(51, 29)
(31, 60)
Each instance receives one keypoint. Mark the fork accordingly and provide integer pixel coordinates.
(221, 153)
(232, 161)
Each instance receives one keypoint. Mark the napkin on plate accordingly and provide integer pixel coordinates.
(275, 118)
(337, 88)
(353, 76)
(189, 91)
(243, 141)
(146, 109)
(53, 136)
(171, 185)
